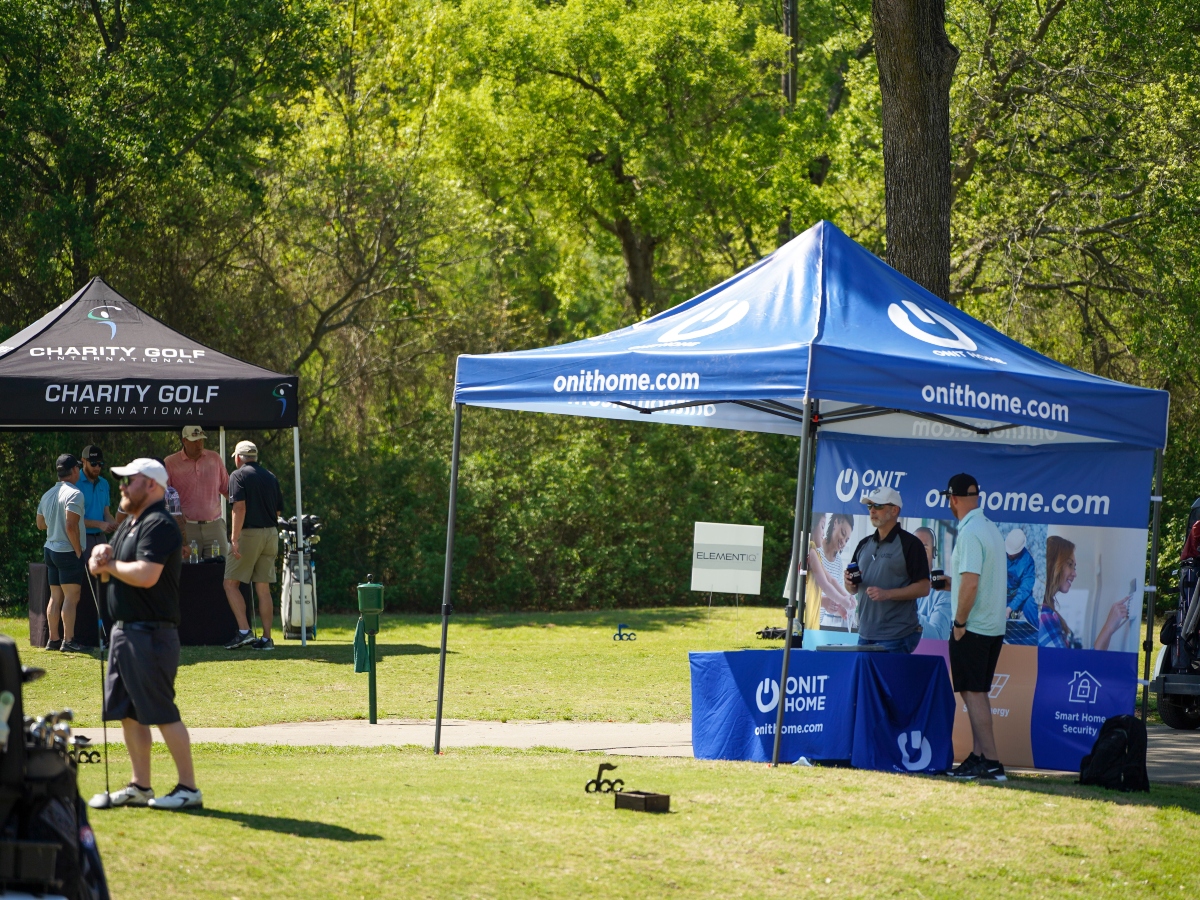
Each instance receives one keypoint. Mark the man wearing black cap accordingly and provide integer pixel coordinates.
(97, 518)
(978, 596)
(60, 515)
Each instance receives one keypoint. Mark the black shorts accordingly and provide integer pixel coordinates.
(63, 567)
(141, 675)
(973, 659)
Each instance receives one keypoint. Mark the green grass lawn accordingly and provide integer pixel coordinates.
(521, 666)
(402, 823)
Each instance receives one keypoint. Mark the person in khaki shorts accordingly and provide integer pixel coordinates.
(254, 543)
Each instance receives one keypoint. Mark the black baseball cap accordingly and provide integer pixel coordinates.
(960, 486)
(66, 463)
(93, 454)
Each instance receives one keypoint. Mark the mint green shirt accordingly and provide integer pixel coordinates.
(979, 549)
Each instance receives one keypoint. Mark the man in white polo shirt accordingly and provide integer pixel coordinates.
(979, 594)
(200, 477)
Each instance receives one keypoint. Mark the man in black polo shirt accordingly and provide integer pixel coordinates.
(254, 544)
(143, 564)
(895, 573)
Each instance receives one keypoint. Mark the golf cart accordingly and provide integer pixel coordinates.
(1176, 677)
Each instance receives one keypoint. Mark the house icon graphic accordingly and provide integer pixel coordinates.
(1083, 688)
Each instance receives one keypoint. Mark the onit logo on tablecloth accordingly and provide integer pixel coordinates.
(926, 751)
(767, 687)
(900, 319)
(733, 312)
(1083, 688)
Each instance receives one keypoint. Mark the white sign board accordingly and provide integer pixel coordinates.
(727, 558)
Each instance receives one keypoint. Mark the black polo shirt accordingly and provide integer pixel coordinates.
(260, 489)
(894, 562)
(153, 537)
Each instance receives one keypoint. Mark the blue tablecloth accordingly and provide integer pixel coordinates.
(888, 711)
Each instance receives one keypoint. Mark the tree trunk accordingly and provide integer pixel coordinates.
(638, 251)
(916, 65)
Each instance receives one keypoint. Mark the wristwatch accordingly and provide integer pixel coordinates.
(958, 624)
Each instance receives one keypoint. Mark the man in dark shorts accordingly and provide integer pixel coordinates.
(60, 514)
(895, 572)
(257, 504)
(143, 563)
(979, 597)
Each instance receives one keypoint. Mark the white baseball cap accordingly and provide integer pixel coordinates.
(882, 495)
(151, 468)
(1014, 543)
(246, 450)
(193, 433)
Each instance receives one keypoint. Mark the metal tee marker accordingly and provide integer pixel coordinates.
(370, 605)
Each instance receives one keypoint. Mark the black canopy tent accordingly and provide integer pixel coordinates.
(99, 362)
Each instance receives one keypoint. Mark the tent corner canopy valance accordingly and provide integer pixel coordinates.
(98, 361)
(825, 318)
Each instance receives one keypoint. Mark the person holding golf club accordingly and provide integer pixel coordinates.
(141, 566)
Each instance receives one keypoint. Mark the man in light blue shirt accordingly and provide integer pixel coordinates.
(60, 515)
(933, 610)
(97, 518)
(979, 590)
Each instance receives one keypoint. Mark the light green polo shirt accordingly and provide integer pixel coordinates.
(979, 548)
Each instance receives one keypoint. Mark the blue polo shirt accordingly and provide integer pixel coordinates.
(95, 499)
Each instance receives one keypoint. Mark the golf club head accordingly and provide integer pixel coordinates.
(102, 800)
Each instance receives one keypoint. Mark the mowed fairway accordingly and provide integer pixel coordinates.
(521, 666)
(402, 823)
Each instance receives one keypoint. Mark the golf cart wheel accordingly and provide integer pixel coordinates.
(1179, 712)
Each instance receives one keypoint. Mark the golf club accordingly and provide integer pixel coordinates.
(101, 801)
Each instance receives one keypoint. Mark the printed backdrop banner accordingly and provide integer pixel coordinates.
(1095, 485)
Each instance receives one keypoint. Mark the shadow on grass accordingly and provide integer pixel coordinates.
(1182, 796)
(296, 827)
(633, 619)
(340, 654)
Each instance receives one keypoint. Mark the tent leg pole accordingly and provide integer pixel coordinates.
(224, 518)
(437, 725)
(797, 573)
(801, 600)
(1151, 591)
(299, 538)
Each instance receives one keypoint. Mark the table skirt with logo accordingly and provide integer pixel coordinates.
(892, 712)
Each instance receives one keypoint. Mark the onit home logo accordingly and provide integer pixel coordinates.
(900, 319)
(768, 687)
(920, 747)
(724, 316)
(104, 315)
(849, 480)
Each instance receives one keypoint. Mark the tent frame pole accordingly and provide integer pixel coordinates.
(446, 576)
(1151, 590)
(299, 539)
(224, 500)
(798, 574)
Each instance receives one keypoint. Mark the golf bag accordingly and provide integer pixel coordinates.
(46, 843)
(1180, 633)
(299, 612)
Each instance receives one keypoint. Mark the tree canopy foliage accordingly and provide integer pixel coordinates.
(359, 190)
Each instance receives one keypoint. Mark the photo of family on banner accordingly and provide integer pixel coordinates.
(1073, 517)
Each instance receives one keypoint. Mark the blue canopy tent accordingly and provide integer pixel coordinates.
(821, 334)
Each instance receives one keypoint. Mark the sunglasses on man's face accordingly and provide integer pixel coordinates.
(125, 480)
(874, 506)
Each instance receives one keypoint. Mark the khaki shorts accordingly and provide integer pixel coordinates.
(259, 547)
(205, 534)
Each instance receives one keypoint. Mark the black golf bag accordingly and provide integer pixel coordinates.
(46, 843)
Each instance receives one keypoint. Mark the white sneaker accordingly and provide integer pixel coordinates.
(180, 797)
(130, 795)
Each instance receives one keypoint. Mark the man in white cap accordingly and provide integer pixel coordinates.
(142, 564)
(1022, 574)
(200, 477)
(895, 573)
(257, 505)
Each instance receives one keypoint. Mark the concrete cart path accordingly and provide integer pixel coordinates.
(1174, 756)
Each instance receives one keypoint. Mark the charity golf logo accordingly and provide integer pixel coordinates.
(724, 316)
(901, 320)
(103, 315)
(768, 687)
(920, 747)
(280, 394)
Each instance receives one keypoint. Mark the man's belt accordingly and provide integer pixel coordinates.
(142, 626)
(201, 521)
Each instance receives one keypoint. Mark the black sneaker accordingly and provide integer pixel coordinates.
(54, 645)
(992, 770)
(968, 768)
(262, 644)
(72, 647)
(239, 640)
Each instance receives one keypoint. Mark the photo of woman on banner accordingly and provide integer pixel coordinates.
(1061, 571)
(825, 567)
